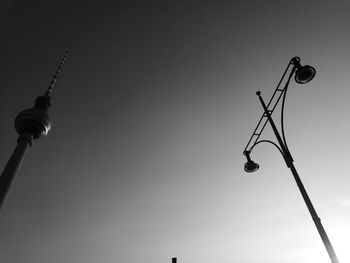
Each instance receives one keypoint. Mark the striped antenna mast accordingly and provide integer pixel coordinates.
(55, 77)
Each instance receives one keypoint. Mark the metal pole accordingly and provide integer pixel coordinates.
(289, 161)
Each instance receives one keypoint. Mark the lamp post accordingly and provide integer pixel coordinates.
(30, 124)
(303, 74)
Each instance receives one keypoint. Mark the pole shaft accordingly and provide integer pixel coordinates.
(289, 161)
(13, 165)
(315, 218)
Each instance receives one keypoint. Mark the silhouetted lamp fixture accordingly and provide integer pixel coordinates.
(250, 166)
(303, 74)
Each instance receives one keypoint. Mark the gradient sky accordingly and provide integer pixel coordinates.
(150, 117)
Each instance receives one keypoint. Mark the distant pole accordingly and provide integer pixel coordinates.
(174, 260)
(30, 124)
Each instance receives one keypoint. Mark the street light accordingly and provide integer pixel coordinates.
(250, 166)
(303, 74)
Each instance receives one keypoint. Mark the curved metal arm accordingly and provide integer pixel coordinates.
(268, 141)
(294, 61)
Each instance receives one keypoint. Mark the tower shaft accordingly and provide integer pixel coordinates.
(12, 167)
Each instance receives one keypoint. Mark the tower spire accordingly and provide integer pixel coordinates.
(55, 77)
(44, 102)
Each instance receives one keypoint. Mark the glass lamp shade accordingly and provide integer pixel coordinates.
(251, 166)
(304, 74)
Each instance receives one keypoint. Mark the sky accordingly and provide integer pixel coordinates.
(150, 117)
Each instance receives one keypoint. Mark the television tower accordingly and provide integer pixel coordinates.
(30, 124)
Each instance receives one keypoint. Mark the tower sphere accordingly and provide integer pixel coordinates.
(34, 121)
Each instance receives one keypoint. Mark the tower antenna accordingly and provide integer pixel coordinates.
(55, 77)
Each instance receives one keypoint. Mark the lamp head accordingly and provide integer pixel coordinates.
(250, 166)
(303, 74)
